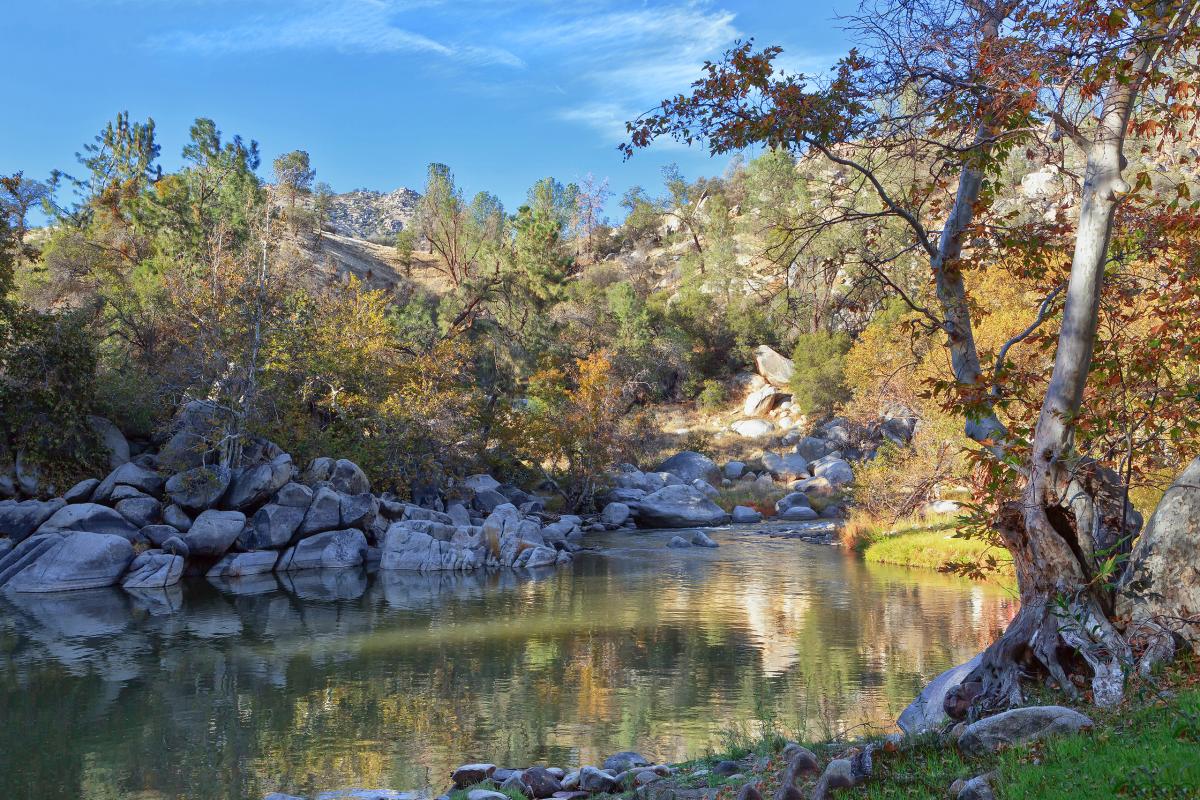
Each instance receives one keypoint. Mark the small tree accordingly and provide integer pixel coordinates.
(294, 174)
(819, 381)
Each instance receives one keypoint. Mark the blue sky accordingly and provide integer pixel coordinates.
(503, 92)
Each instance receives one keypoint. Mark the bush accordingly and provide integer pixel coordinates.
(819, 382)
(713, 395)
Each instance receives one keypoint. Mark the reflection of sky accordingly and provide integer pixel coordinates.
(336, 679)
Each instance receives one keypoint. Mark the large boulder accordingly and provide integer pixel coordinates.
(112, 440)
(214, 532)
(690, 465)
(836, 471)
(271, 528)
(238, 565)
(92, 518)
(481, 483)
(82, 492)
(1020, 726)
(776, 369)
(153, 570)
(406, 548)
(813, 448)
(329, 550)
(760, 402)
(324, 514)
(348, 478)
(624, 761)
(78, 560)
(792, 500)
(615, 514)
(140, 511)
(18, 521)
(752, 428)
(926, 712)
(679, 507)
(253, 486)
(789, 466)
(744, 515)
(1162, 585)
(358, 510)
(145, 480)
(196, 427)
(200, 488)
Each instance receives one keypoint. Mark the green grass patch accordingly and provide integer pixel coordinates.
(933, 548)
(1152, 752)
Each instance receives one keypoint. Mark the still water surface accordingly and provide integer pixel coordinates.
(325, 681)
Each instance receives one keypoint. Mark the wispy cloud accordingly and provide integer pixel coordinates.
(626, 60)
(362, 26)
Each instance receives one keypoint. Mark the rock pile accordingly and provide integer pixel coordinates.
(144, 527)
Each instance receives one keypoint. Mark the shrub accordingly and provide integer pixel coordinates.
(713, 395)
(819, 382)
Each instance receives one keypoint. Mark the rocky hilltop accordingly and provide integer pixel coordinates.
(367, 214)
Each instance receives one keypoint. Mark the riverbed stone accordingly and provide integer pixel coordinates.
(744, 515)
(332, 549)
(237, 565)
(596, 782)
(679, 507)
(615, 514)
(471, 774)
(792, 500)
(926, 712)
(153, 570)
(18, 520)
(90, 517)
(625, 760)
(799, 514)
(488, 794)
(702, 539)
(679, 542)
(214, 532)
(1020, 726)
(200, 488)
(157, 534)
(79, 560)
(540, 783)
(813, 487)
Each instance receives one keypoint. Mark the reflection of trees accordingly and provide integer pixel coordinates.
(392, 685)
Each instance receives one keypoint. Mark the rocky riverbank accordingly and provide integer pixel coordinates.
(774, 767)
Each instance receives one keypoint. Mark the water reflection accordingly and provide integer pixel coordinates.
(313, 681)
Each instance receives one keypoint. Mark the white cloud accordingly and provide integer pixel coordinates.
(364, 26)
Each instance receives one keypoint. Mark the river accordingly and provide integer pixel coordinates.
(325, 681)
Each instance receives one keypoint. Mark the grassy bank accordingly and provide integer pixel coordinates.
(1144, 749)
(927, 542)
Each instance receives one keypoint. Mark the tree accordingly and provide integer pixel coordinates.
(951, 81)
(593, 194)
(294, 174)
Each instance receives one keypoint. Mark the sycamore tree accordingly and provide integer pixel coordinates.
(959, 87)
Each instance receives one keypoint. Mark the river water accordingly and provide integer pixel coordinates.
(326, 681)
